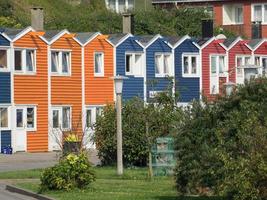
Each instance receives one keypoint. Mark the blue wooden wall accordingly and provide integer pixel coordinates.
(188, 88)
(5, 139)
(156, 83)
(134, 86)
(4, 41)
(5, 87)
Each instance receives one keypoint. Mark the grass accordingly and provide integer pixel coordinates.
(133, 185)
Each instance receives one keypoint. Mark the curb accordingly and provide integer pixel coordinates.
(28, 193)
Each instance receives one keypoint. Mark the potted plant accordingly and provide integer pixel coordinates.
(71, 144)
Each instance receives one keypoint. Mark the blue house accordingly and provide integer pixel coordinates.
(130, 62)
(187, 68)
(159, 65)
(5, 92)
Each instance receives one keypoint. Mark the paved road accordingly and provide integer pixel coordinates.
(6, 195)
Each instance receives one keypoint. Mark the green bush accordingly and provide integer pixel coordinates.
(222, 145)
(73, 171)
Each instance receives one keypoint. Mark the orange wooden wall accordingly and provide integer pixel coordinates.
(98, 90)
(33, 89)
(67, 90)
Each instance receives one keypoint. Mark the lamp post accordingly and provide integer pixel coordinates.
(229, 87)
(118, 81)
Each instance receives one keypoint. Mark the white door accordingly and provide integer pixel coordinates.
(55, 133)
(214, 75)
(241, 61)
(19, 134)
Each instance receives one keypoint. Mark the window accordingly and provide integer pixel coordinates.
(99, 64)
(91, 115)
(163, 65)
(190, 65)
(262, 61)
(3, 117)
(26, 117)
(239, 14)
(25, 61)
(233, 14)
(218, 65)
(3, 60)
(133, 64)
(259, 12)
(61, 117)
(60, 62)
(242, 61)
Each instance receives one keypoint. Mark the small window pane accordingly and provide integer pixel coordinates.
(3, 59)
(157, 64)
(3, 117)
(129, 63)
(239, 14)
(247, 60)
(239, 64)
(55, 119)
(257, 61)
(213, 65)
(166, 69)
(264, 65)
(89, 118)
(54, 61)
(257, 13)
(30, 117)
(221, 64)
(98, 63)
(138, 64)
(65, 62)
(30, 60)
(18, 60)
(194, 65)
(186, 65)
(66, 117)
(19, 118)
(99, 111)
(265, 13)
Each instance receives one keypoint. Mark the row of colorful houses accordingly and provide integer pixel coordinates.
(55, 80)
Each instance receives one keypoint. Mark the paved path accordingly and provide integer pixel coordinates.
(6, 195)
(25, 161)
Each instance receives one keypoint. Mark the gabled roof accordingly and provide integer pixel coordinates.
(85, 37)
(229, 41)
(50, 34)
(146, 39)
(254, 43)
(173, 40)
(115, 39)
(202, 41)
(11, 33)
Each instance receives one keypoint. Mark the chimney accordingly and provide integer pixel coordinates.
(37, 18)
(256, 32)
(207, 28)
(128, 23)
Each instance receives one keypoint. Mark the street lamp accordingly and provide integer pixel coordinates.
(118, 81)
(229, 87)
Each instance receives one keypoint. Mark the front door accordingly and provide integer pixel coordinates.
(20, 133)
(55, 133)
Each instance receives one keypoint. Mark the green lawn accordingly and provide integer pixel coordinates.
(133, 185)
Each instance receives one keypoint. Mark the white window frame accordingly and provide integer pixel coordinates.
(60, 61)
(218, 73)
(134, 65)
(231, 19)
(60, 109)
(8, 118)
(24, 119)
(262, 12)
(261, 56)
(102, 67)
(23, 70)
(159, 75)
(242, 64)
(190, 55)
(93, 115)
(7, 60)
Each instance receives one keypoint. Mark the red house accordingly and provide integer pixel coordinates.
(260, 54)
(214, 66)
(235, 15)
(239, 54)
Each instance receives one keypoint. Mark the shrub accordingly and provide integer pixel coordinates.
(73, 171)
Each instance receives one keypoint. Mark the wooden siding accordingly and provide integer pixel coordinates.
(239, 49)
(33, 89)
(161, 83)
(261, 50)
(67, 90)
(5, 87)
(134, 86)
(5, 139)
(213, 48)
(188, 87)
(4, 41)
(98, 90)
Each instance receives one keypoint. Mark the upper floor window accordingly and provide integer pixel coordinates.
(259, 12)
(60, 62)
(190, 65)
(242, 61)
(233, 14)
(3, 60)
(163, 65)
(99, 64)
(133, 65)
(3, 117)
(218, 65)
(25, 61)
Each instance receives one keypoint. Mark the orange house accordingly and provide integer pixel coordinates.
(65, 85)
(29, 90)
(98, 70)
